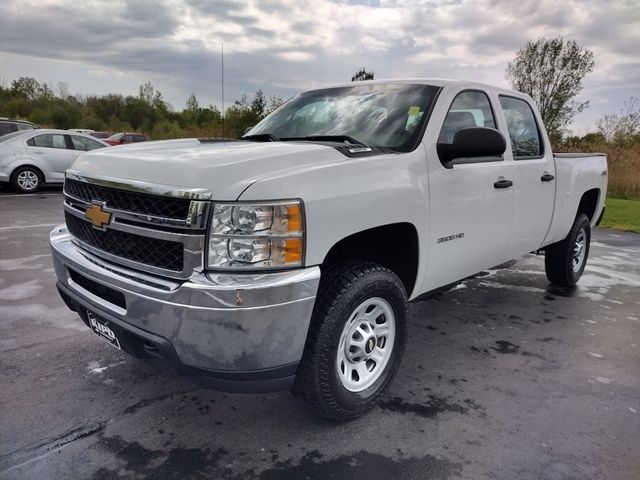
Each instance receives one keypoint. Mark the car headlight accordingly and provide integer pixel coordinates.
(256, 235)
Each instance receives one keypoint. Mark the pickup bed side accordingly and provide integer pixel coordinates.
(581, 185)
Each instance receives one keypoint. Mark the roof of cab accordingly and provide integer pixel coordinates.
(437, 82)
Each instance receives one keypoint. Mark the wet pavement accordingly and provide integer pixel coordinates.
(504, 377)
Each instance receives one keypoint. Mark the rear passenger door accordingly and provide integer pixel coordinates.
(534, 176)
(470, 214)
(54, 151)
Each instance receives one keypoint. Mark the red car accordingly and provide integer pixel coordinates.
(124, 137)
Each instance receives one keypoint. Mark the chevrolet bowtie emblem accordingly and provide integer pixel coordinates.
(99, 217)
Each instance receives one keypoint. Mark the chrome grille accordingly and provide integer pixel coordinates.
(134, 202)
(149, 251)
(154, 228)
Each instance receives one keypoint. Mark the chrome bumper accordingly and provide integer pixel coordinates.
(216, 324)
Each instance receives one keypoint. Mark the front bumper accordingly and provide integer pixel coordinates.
(234, 332)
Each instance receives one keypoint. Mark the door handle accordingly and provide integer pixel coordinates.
(503, 184)
(547, 177)
(38, 152)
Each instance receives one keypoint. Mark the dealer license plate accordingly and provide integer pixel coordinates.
(102, 330)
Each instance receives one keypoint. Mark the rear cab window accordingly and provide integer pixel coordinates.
(524, 133)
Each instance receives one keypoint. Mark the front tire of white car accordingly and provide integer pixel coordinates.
(565, 261)
(26, 180)
(355, 342)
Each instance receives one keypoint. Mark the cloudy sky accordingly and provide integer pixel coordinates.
(285, 46)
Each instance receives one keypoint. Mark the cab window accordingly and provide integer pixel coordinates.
(523, 129)
(469, 109)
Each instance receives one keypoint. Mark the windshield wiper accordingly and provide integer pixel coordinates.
(328, 138)
(261, 137)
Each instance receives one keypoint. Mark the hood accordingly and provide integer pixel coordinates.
(224, 168)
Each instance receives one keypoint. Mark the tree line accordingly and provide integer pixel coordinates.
(147, 112)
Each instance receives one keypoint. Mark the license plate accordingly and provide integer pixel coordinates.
(102, 330)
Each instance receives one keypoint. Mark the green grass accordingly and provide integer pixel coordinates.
(622, 215)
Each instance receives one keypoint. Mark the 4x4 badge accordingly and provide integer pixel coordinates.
(99, 217)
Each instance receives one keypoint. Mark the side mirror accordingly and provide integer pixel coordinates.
(472, 143)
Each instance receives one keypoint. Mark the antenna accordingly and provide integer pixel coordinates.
(222, 72)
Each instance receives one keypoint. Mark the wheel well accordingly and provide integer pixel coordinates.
(38, 170)
(589, 203)
(394, 246)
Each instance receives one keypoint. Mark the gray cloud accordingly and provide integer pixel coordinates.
(284, 46)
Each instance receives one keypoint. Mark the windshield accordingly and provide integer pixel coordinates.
(385, 116)
(116, 136)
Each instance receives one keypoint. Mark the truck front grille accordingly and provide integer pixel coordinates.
(150, 251)
(135, 202)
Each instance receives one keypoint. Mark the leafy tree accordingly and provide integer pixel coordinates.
(551, 72)
(362, 74)
(65, 116)
(192, 103)
(622, 128)
(63, 90)
(259, 104)
(25, 87)
(274, 102)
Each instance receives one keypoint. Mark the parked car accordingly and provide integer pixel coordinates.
(82, 130)
(124, 137)
(9, 125)
(31, 158)
(287, 259)
(101, 135)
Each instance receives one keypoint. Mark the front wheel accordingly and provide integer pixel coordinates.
(565, 261)
(356, 339)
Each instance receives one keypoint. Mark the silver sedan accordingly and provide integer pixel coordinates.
(31, 158)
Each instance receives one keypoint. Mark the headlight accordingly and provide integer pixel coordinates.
(259, 236)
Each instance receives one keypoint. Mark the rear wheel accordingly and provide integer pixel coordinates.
(565, 261)
(26, 180)
(355, 341)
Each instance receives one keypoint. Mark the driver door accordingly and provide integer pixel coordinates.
(471, 211)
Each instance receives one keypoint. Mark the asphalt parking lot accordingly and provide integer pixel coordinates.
(504, 377)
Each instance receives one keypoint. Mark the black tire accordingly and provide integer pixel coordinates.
(343, 288)
(559, 257)
(32, 186)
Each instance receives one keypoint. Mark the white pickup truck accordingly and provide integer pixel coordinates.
(286, 259)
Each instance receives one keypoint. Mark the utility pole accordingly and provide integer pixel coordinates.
(222, 72)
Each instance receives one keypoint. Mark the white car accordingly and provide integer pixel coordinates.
(81, 130)
(30, 158)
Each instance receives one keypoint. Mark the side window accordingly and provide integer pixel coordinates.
(5, 128)
(523, 128)
(469, 109)
(48, 140)
(84, 144)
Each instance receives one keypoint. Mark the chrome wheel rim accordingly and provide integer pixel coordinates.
(28, 180)
(579, 249)
(366, 344)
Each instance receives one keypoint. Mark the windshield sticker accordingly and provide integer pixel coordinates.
(413, 118)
